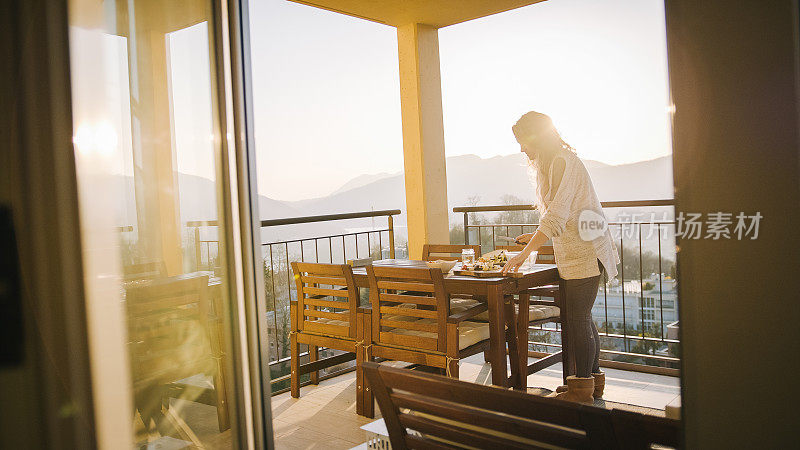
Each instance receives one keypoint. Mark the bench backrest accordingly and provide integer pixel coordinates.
(430, 411)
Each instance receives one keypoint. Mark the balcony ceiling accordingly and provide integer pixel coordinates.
(438, 13)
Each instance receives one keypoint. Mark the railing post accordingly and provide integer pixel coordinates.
(391, 236)
(466, 228)
(197, 252)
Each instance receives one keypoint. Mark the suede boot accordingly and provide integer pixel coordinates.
(599, 384)
(578, 390)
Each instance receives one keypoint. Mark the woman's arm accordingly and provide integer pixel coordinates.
(536, 241)
(565, 185)
(543, 234)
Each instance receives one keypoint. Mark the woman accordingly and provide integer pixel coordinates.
(563, 192)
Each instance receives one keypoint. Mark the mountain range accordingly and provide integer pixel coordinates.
(470, 180)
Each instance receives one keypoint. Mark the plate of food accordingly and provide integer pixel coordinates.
(487, 266)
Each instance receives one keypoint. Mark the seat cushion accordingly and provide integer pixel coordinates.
(400, 317)
(535, 312)
(539, 312)
(469, 333)
(458, 305)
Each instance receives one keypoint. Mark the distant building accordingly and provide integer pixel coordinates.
(655, 306)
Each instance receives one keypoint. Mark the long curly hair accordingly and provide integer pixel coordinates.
(537, 133)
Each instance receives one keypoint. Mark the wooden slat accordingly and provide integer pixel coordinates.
(335, 341)
(447, 252)
(326, 292)
(410, 325)
(156, 305)
(464, 436)
(401, 298)
(510, 248)
(399, 274)
(547, 361)
(319, 269)
(567, 437)
(409, 356)
(344, 317)
(405, 286)
(327, 303)
(410, 312)
(326, 362)
(422, 443)
(332, 281)
(486, 397)
(405, 340)
(324, 328)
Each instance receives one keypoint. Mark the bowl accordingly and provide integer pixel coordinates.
(444, 266)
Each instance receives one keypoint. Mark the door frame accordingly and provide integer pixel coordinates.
(54, 406)
(50, 391)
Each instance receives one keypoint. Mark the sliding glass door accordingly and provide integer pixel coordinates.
(167, 278)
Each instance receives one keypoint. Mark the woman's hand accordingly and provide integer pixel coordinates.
(523, 238)
(515, 262)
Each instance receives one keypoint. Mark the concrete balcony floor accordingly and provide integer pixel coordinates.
(325, 416)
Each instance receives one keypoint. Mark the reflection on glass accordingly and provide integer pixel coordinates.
(146, 136)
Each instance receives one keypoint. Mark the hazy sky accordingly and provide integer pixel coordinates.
(327, 101)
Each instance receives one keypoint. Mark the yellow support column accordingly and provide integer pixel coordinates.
(423, 137)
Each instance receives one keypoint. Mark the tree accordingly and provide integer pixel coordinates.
(629, 265)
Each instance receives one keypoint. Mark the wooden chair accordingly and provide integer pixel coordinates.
(546, 255)
(429, 411)
(410, 320)
(324, 315)
(510, 248)
(447, 252)
(548, 308)
(149, 270)
(640, 431)
(174, 341)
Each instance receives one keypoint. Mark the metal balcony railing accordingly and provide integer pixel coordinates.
(645, 343)
(634, 332)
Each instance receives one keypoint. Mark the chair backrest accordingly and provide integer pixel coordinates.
(636, 431)
(448, 252)
(430, 411)
(327, 299)
(510, 248)
(545, 255)
(144, 271)
(409, 307)
(169, 330)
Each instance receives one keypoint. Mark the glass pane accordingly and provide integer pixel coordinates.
(147, 145)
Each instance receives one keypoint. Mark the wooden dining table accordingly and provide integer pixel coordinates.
(496, 292)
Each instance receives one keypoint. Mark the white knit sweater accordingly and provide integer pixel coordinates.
(575, 257)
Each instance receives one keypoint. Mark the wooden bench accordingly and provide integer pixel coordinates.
(429, 411)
